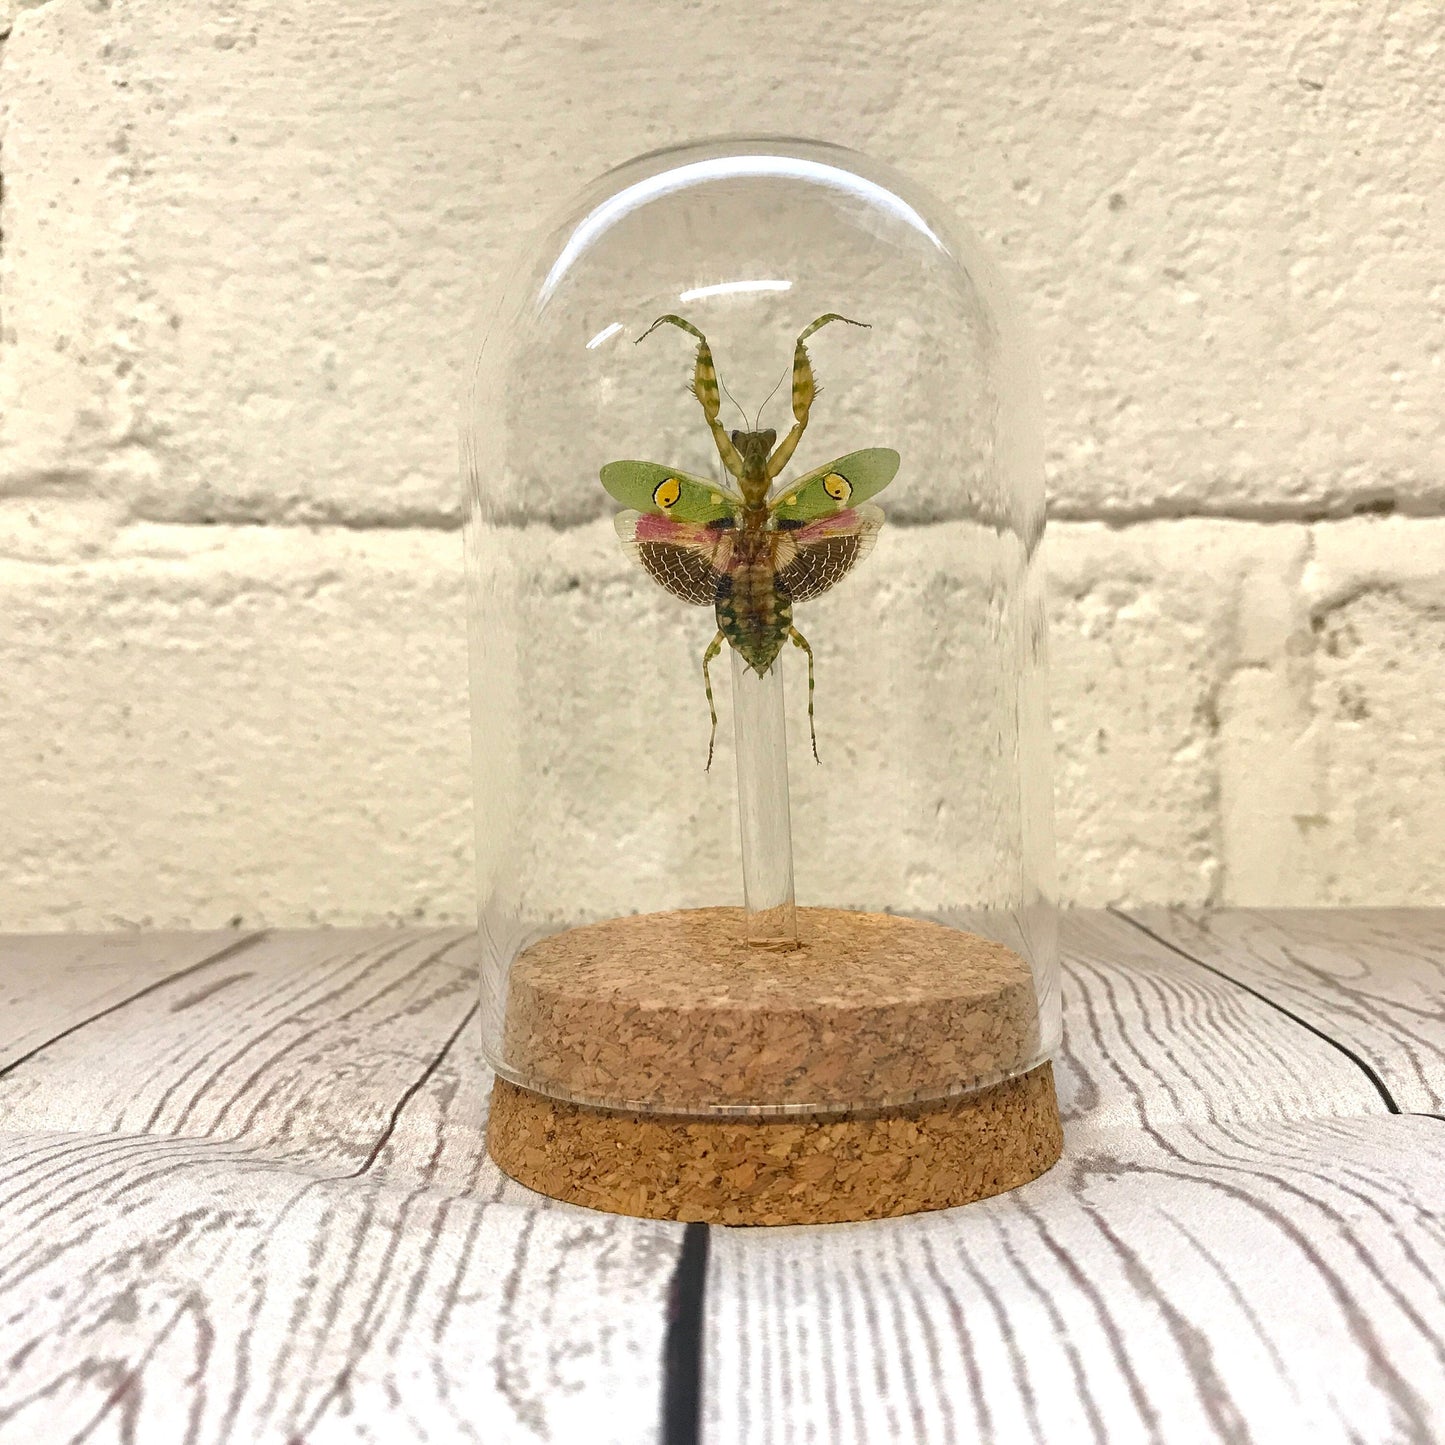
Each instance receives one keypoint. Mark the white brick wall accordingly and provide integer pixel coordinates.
(241, 245)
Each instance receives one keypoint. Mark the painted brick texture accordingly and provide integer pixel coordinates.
(240, 249)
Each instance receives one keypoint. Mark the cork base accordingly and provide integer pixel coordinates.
(675, 1013)
(780, 1170)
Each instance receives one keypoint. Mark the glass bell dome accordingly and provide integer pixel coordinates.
(753, 471)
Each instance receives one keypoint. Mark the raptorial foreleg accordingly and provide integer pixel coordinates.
(705, 389)
(714, 647)
(804, 390)
(800, 641)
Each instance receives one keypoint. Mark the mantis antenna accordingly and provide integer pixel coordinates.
(734, 400)
(766, 399)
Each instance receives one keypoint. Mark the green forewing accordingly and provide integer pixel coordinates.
(666, 492)
(814, 495)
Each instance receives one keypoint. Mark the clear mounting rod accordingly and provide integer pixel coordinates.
(761, 738)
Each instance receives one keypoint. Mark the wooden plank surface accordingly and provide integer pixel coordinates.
(1225, 1282)
(1371, 979)
(252, 1204)
(1151, 1039)
(244, 1197)
(160, 1290)
(52, 983)
(302, 1045)
(1241, 1244)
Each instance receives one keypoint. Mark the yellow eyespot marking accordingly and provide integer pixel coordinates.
(715, 498)
(665, 494)
(791, 501)
(838, 487)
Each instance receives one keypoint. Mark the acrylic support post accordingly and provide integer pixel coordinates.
(764, 814)
(889, 1040)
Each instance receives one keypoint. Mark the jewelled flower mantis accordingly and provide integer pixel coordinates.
(749, 558)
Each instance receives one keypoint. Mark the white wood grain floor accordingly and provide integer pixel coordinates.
(244, 1198)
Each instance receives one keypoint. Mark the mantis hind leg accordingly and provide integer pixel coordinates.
(800, 641)
(713, 648)
(705, 389)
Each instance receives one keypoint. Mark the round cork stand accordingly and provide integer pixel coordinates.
(642, 1022)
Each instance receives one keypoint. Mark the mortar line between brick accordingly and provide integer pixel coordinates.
(1114, 523)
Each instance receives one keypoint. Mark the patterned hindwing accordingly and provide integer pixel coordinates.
(813, 558)
(687, 559)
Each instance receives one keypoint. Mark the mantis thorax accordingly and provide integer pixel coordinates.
(754, 448)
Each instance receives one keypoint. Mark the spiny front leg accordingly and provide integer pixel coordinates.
(705, 389)
(714, 647)
(800, 641)
(804, 390)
